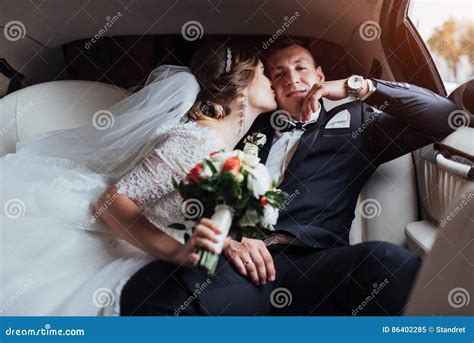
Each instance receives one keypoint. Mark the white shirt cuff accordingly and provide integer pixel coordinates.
(371, 91)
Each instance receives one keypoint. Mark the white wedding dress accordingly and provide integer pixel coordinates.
(56, 259)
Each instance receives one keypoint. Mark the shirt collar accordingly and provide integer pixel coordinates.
(313, 118)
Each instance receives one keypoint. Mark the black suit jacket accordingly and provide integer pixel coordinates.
(330, 166)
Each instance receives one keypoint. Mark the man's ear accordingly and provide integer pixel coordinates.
(320, 74)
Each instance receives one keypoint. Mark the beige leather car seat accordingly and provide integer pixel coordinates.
(52, 106)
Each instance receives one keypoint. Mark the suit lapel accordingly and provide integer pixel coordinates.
(268, 131)
(261, 124)
(307, 141)
(309, 138)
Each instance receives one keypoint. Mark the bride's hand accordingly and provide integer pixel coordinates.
(205, 235)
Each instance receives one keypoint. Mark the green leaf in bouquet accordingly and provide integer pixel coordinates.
(276, 199)
(211, 166)
(241, 204)
(209, 187)
(177, 226)
(250, 218)
(174, 182)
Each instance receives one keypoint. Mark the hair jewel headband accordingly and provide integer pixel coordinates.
(228, 62)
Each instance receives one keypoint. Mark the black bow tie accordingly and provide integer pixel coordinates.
(291, 126)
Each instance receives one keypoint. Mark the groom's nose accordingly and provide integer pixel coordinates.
(293, 78)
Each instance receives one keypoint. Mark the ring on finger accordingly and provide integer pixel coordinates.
(246, 263)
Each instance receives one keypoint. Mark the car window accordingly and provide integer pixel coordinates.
(447, 29)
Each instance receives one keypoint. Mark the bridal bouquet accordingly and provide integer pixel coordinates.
(236, 191)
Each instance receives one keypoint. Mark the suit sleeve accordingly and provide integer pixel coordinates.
(410, 117)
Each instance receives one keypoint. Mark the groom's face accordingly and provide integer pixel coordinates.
(293, 73)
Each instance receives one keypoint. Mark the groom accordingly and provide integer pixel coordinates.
(325, 167)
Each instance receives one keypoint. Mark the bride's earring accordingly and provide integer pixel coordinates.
(242, 118)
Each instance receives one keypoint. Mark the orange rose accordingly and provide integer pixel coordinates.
(232, 165)
(263, 201)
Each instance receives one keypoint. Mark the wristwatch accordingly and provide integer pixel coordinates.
(354, 85)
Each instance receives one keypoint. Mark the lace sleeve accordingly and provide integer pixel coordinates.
(152, 178)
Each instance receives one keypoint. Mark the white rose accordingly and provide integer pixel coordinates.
(270, 217)
(250, 160)
(259, 181)
(261, 139)
(206, 172)
(251, 149)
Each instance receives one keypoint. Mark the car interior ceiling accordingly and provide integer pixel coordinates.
(50, 46)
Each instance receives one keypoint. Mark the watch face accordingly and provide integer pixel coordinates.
(355, 82)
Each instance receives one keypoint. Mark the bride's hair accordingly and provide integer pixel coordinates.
(219, 87)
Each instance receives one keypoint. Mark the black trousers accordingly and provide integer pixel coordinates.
(370, 278)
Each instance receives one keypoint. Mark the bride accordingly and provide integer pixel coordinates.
(84, 209)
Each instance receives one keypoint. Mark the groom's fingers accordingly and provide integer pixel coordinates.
(310, 102)
(260, 265)
(239, 265)
(252, 272)
(251, 269)
(268, 260)
(233, 250)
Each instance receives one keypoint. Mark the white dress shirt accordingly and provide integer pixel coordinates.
(283, 148)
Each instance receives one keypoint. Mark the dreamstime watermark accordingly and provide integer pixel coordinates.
(281, 297)
(199, 289)
(370, 30)
(459, 297)
(103, 120)
(458, 119)
(377, 289)
(9, 303)
(103, 297)
(110, 21)
(98, 213)
(192, 209)
(280, 120)
(192, 30)
(455, 211)
(46, 331)
(288, 21)
(291, 197)
(446, 43)
(364, 126)
(370, 120)
(14, 208)
(370, 208)
(14, 30)
(19, 114)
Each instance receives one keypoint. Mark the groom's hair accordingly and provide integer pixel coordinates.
(284, 43)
